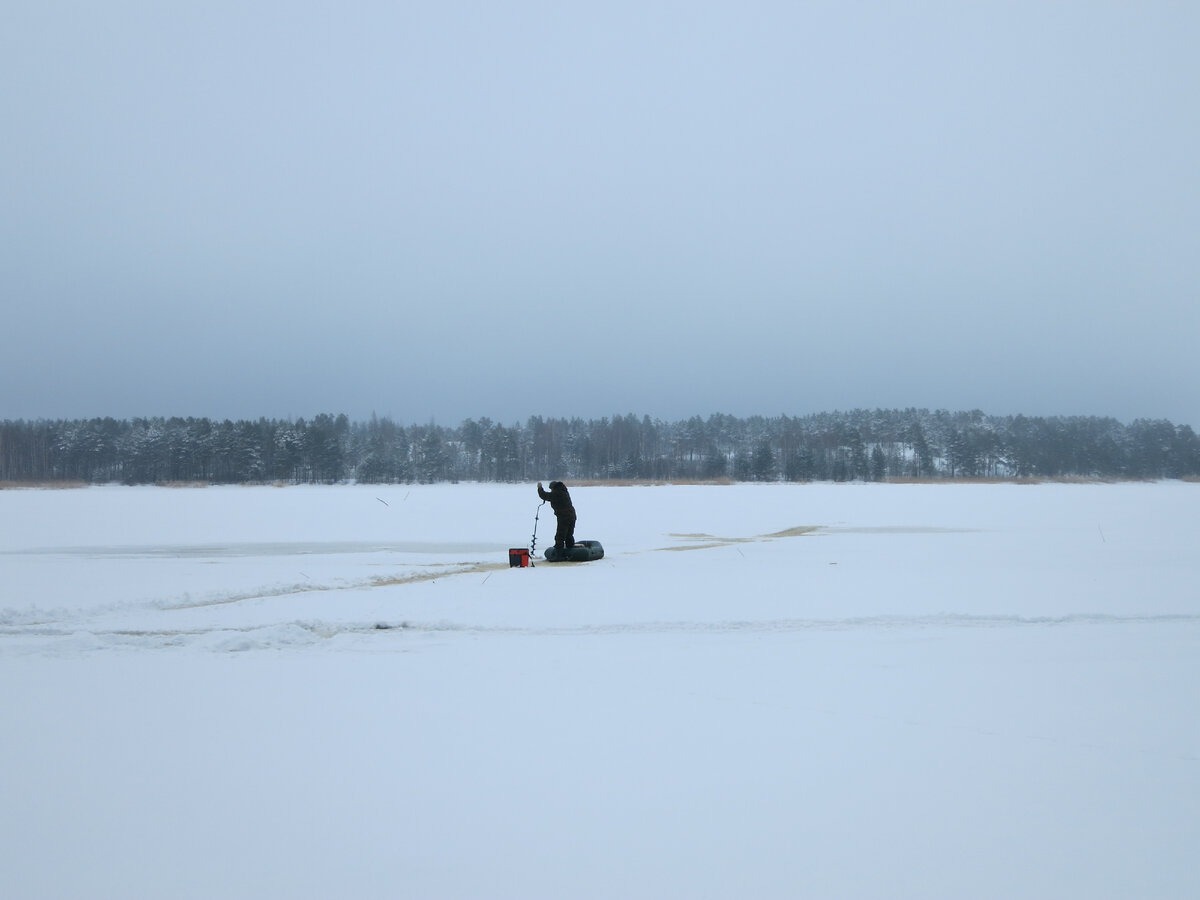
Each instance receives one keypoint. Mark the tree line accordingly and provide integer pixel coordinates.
(857, 445)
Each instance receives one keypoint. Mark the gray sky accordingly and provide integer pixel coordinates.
(447, 210)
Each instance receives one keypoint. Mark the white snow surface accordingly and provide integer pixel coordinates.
(767, 691)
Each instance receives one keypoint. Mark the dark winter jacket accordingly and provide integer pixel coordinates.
(560, 500)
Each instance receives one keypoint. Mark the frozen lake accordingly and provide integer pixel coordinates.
(761, 691)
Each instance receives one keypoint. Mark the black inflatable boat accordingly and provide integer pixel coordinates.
(583, 551)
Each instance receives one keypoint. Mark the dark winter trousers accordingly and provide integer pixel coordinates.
(565, 535)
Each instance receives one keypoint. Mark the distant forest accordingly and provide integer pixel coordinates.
(858, 445)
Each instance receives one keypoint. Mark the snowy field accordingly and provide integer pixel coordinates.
(785, 691)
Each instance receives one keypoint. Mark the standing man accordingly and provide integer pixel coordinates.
(564, 511)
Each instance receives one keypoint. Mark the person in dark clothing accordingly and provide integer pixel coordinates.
(564, 511)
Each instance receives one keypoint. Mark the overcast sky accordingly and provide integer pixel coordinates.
(448, 209)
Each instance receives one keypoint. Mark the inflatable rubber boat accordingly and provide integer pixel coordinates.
(583, 551)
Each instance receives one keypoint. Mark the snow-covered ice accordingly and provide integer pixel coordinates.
(867, 691)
